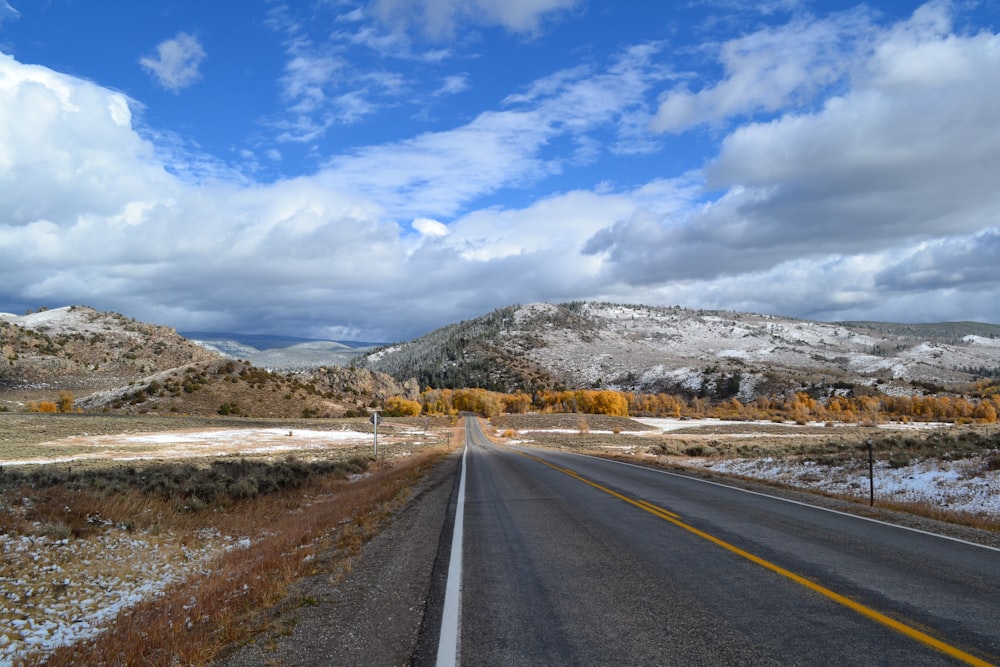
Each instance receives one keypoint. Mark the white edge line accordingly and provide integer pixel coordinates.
(787, 500)
(447, 654)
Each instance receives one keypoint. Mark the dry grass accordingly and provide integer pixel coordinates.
(568, 421)
(192, 622)
(928, 510)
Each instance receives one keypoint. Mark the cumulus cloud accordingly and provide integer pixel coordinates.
(177, 62)
(61, 144)
(92, 216)
(876, 199)
(906, 153)
(429, 227)
(970, 262)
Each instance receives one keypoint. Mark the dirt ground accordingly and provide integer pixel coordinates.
(94, 440)
(90, 439)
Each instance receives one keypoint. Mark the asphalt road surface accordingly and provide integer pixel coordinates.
(571, 560)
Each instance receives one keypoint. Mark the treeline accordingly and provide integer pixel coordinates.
(799, 407)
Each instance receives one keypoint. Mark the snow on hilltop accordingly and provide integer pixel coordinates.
(641, 348)
(81, 348)
(73, 320)
(624, 339)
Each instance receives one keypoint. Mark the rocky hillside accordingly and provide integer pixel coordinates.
(691, 352)
(78, 348)
(238, 388)
(111, 363)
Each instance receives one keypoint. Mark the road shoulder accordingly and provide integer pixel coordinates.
(373, 615)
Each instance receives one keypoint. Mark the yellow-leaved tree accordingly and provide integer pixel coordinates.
(397, 406)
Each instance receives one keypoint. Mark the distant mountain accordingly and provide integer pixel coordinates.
(113, 363)
(280, 352)
(714, 354)
(268, 341)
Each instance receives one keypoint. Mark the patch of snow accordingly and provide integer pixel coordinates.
(667, 424)
(866, 363)
(67, 320)
(58, 592)
(376, 356)
(963, 486)
(979, 340)
(182, 444)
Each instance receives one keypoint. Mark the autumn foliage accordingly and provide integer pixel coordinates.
(64, 404)
(799, 407)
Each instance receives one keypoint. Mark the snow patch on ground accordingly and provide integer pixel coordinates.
(666, 424)
(961, 486)
(55, 592)
(979, 340)
(186, 444)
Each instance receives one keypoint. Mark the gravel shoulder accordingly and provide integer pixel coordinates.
(373, 614)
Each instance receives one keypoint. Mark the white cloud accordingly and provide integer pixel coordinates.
(176, 63)
(61, 144)
(429, 227)
(306, 78)
(440, 18)
(906, 154)
(876, 201)
(452, 84)
(439, 172)
(211, 252)
(7, 11)
(320, 85)
(768, 70)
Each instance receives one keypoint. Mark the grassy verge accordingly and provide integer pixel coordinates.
(284, 529)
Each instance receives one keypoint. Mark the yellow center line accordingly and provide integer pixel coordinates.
(868, 612)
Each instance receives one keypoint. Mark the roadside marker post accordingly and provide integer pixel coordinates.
(375, 419)
(871, 474)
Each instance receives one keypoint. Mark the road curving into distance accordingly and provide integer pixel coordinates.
(569, 559)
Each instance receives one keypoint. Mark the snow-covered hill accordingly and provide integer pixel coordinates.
(81, 348)
(713, 353)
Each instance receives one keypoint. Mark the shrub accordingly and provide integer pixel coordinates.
(899, 460)
(65, 403)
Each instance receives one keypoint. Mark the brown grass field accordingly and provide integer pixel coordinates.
(255, 523)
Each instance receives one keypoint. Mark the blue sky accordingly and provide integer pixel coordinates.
(374, 170)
